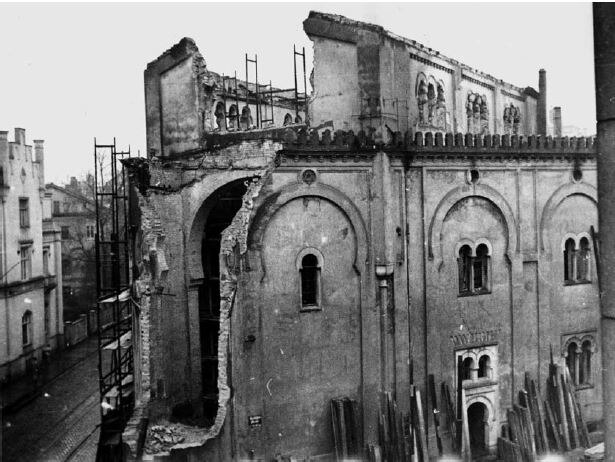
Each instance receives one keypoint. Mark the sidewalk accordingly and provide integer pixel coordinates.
(22, 390)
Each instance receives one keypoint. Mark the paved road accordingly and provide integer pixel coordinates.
(61, 423)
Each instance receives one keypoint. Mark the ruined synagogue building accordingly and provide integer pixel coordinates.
(410, 211)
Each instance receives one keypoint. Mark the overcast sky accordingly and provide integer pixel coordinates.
(70, 72)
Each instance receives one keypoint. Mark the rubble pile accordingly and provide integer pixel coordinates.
(162, 438)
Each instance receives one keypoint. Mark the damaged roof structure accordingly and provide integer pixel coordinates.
(408, 215)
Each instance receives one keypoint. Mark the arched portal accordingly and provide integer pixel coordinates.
(222, 205)
(478, 416)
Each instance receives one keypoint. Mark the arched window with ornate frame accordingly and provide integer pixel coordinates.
(579, 351)
(474, 267)
(577, 259)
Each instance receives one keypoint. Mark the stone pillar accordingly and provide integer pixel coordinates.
(541, 113)
(557, 121)
(604, 63)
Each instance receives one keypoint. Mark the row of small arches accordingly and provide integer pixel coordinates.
(233, 120)
(483, 370)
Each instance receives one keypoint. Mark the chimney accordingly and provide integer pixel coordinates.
(39, 157)
(541, 116)
(4, 145)
(557, 121)
(20, 136)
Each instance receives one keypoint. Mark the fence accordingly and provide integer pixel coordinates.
(78, 330)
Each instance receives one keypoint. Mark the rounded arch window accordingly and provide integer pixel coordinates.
(220, 114)
(466, 368)
(480, 267)
(233, 116)
(585, 362)
(484, 366)
(572, 361)
(569, 260)
(288, 119)
(583, 256)
(246, 118)
(310, 281)
(465, 268)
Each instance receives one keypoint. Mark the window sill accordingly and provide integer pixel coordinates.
(576, 283)
(471, 294)
(479, 382)
(310, 308)
(584, 386)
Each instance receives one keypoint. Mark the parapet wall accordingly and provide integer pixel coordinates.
(419, 141)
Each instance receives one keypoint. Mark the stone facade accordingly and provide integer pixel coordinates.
(367, 78)
(289, 266)
(31, 319)
(185, 101)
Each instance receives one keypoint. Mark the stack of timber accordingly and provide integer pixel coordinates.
(538, 426)
(402, 436)
(568, 426)
(347, 433)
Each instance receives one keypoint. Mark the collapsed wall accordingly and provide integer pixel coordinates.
(171, 195)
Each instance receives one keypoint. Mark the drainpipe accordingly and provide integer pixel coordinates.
(5, 279)
(604, 63)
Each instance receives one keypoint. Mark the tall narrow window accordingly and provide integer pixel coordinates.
(66, 265)
(569, 260)
(220, 115)
(26, 328)
(465, 269)
(47, 314)
(246, 118)
(466, 369)
(310, 281)
(46, 261)
(233, 115)
(24, 212)
(583, 259)
(572, 362)
(56, 207)
(65, 232)
(585, 363)
(480, 267)
(26, 262)
(484, 365)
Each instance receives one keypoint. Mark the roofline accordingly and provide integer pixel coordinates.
(70, 193)
(349, 36)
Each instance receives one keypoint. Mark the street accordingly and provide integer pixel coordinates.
(61, 422)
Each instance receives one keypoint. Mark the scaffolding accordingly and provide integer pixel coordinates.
(263, 96)
(114, 301)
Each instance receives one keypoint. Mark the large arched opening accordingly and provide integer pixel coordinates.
(222, 206)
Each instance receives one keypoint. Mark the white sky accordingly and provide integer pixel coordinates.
(70, 72)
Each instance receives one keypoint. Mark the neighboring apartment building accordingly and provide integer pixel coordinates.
(75, 214)
(281, 268)
(31, 320)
